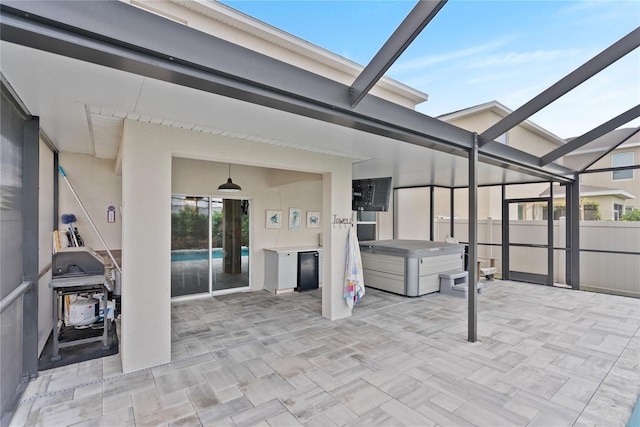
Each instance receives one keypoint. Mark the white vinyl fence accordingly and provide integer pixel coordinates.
(599, 271)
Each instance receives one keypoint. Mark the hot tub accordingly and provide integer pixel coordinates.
(408, 267)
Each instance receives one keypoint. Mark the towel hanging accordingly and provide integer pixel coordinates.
(353, 276)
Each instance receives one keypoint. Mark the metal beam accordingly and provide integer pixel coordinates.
(586, 138)
(473, 242)
(590, 68)
(422, 13)
(612, 169)
(496, 153)
(621, 141)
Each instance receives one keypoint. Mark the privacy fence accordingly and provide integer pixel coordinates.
(609, 251)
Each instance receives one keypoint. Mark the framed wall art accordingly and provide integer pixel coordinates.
(295, 218)
(273, 219)
(313, 219)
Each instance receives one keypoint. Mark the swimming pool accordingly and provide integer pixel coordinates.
(201, 254)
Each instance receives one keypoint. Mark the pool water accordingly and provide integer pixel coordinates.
(200, 254)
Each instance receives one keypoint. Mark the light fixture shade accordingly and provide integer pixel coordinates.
(229, 187)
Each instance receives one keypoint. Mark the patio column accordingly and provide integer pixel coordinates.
(146, 250)
(336, 191)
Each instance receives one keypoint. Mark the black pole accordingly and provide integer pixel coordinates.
(473, 240)
(431, 214)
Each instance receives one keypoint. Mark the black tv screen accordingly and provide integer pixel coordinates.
(371, 194)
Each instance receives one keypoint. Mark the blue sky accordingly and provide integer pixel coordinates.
(478, 51)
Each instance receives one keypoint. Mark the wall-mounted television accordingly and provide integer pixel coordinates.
(371, 194)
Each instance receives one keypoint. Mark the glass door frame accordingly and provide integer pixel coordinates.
(210, 291)
(521, 276)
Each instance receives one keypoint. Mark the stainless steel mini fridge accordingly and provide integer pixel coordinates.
(307, 271)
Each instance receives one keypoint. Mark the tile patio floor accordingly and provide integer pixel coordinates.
(545, 357)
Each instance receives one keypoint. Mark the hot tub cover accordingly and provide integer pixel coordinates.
(410, 248)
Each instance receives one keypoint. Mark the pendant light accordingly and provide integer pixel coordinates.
(229, 186)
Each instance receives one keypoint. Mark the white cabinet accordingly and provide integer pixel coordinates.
(280, 271)
(281, 268)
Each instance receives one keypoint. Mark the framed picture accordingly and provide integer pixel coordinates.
(295, 218)
(274, 219)
(313, 219)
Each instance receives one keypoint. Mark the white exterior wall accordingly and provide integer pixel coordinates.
(98, 187)
(147, 152)
(605, 179)
(519, 137)
(412, 213)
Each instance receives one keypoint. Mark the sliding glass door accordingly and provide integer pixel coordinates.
(209, 245)
(189, 245)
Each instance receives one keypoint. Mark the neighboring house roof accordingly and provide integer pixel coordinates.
(503, 111)
(605, 142)
(276, 36)
(590, 191)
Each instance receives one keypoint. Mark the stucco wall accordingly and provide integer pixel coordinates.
(411, 210)
(98, 187)
(147, 153)
(605, 180)
(519, 137)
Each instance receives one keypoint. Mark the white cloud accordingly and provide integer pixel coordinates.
(430, 60)
(601, 98)
(593, 12)
(537, 57)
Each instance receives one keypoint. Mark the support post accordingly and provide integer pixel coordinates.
(431, 213)
(505, 235)
(30, 223)
(573, 233)
(473, 240)
(56, 190)
(451, 212)
(550, 236)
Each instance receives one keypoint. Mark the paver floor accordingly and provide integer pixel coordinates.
(544, 357)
